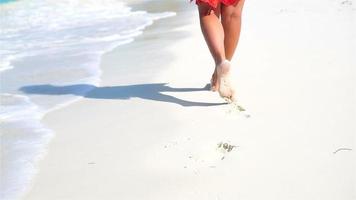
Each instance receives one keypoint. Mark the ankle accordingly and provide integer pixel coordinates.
(224, 66)
(219, 61)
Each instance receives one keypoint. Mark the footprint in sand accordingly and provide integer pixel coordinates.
(210, 156)
(197, 154)
(236, 109)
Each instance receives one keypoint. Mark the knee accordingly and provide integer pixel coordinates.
(232, 14)
(236, 14)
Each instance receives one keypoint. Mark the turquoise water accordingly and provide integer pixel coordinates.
(6, 1)
(48, 42)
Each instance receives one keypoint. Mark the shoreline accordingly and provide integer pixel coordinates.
(48, 136)
(157, 27)
(147, 133)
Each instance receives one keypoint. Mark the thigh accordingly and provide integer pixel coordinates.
(206, 9)
(232, 10)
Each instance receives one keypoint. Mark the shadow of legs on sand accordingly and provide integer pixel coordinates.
(151, 91)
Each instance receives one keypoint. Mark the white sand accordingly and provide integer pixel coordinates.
(295, 75)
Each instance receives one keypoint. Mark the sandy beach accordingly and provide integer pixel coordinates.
(151, 129)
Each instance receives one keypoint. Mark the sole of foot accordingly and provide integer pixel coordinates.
(226, 89)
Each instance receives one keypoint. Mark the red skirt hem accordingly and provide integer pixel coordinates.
(214, 3)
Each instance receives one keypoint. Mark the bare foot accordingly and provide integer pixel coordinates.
(225, 88)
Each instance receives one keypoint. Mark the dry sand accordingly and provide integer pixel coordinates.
(151, 130)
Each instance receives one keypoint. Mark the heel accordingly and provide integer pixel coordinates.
(212, 88)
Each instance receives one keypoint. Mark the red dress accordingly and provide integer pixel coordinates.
(214, 3)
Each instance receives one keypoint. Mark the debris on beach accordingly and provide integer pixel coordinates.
(224, 148)
(235, 108)
(342, 149)
(346, 2)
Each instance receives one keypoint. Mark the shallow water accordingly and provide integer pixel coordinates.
(6, 1)
(58, 43)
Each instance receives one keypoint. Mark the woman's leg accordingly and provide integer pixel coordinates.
(212, 30)
(214, 36)
(231, 21)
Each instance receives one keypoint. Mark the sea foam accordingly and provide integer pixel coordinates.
(51, 42)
